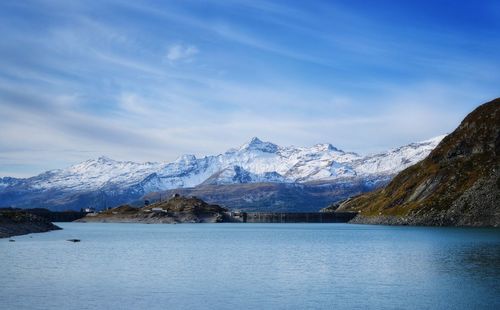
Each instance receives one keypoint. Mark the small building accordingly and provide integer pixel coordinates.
(236, 214)
(157, 209)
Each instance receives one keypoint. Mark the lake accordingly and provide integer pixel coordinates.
(251, 266)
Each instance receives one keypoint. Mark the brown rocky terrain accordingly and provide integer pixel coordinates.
(177, 209)
(458, 184)
(275, 197)
(13, 223)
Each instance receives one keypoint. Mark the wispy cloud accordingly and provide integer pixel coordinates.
(179, 52)
(150, 80)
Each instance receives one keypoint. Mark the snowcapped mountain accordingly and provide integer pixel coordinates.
(258, 161)
(254, 162)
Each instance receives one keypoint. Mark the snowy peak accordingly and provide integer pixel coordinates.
(433, 141)
(105, 160)
(185, 159)
(93, 163)
(395, 160)
(258, 145)
(326, 147)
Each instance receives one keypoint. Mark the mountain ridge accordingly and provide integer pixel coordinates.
(106, 181)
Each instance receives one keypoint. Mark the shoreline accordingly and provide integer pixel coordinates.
(22, 223)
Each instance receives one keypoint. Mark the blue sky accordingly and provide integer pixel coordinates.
(150, 80)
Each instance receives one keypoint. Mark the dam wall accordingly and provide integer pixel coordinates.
(292, 217)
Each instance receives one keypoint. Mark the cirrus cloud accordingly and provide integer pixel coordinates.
(179, 52)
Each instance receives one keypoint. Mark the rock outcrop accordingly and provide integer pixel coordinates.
(13, 223)
(177, 209)
(457, 184)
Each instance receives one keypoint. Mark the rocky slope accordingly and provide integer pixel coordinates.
(275, 197)
(458, 184)
(13, 223)
(104, 182)
(177, 209)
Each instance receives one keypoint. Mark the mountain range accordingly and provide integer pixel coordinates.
(257, 175)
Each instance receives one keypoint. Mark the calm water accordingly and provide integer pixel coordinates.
(251, 266)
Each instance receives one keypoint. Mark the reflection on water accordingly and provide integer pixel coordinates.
(251, 266)
(480, 261)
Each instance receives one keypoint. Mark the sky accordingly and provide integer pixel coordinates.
(151, 80)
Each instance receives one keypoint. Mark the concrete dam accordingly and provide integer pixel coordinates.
(291, 217)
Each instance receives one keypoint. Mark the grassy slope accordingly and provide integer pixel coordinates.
(466, 156)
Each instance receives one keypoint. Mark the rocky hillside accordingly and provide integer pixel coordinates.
(177, 209)
(276, 197)
(458, 184)
(13, 223)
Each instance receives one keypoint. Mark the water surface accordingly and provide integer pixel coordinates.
(251, 266)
